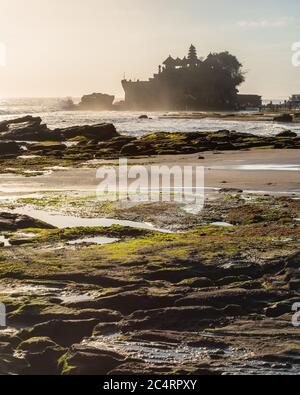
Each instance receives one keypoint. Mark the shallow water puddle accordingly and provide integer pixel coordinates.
(151, 352)
(29, 157)
(74, 298)
(255, 367)
(64, 221)
(18, 289)
(94, 240)
(8, 331)
(5, 241)
(71, 143)
(221, 224)
(9, 241)
(15, 289)
(24, 235)
(258, 167)
(38, 172)
(56, 168)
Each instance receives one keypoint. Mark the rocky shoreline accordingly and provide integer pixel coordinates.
(208, 294)
(28, 138)
(207, 300)
(104, 139)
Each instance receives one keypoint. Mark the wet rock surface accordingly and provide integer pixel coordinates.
(25, 129)
(28, 129)
(102, 141)
(10, 221)
(208, 300)
(8, 148)
(202, 299)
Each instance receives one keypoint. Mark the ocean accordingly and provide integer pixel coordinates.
(53, 111)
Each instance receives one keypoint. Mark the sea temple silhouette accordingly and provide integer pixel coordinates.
(192, 83)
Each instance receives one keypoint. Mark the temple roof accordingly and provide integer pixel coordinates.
(170, 61)
(192, 59)
(185, 62)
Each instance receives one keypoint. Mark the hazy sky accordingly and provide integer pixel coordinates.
(73, 47)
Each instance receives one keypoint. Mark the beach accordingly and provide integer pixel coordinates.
(256, 170)
(97, 286)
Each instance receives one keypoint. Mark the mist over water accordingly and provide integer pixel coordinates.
(54, 112)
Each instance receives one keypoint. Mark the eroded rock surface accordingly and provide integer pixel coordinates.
(210, 300)
(10, 221)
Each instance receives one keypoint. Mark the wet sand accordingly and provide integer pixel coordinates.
(232, 116)
(255, 170)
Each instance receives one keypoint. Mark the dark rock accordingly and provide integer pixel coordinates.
(9, 221)
(128, 302)
(5, 347)
(231, 190)
(42, 355)
(26, 129)
(176, 337)
(294, 285)
(280, 308)
(293, 261)
(246, 298)
(117, 143)
(47, 147)
(64, 333)
(19, 241)
(87, 360)
(234, 279)
(143, 117)
(9, 148)
(36, 344)
(284, 118)
(9, 364)
(289, 355)
(197, 283)
(287, 133)
(178, 318)
(31, 129)
(99, 132)
(130, 150)
(96, 102)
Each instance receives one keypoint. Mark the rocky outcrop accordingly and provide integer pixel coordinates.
(25, 129)
(11, 222)
(96, 102)
(284, 118)
(31, 129)
(41, 355)
(9, 148)
(47, 146)
(85, 360)
(99, 132)
(207, 300)
(63, 332)
(287, 133)
(103, 141)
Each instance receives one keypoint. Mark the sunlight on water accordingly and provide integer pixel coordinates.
(53, 112)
